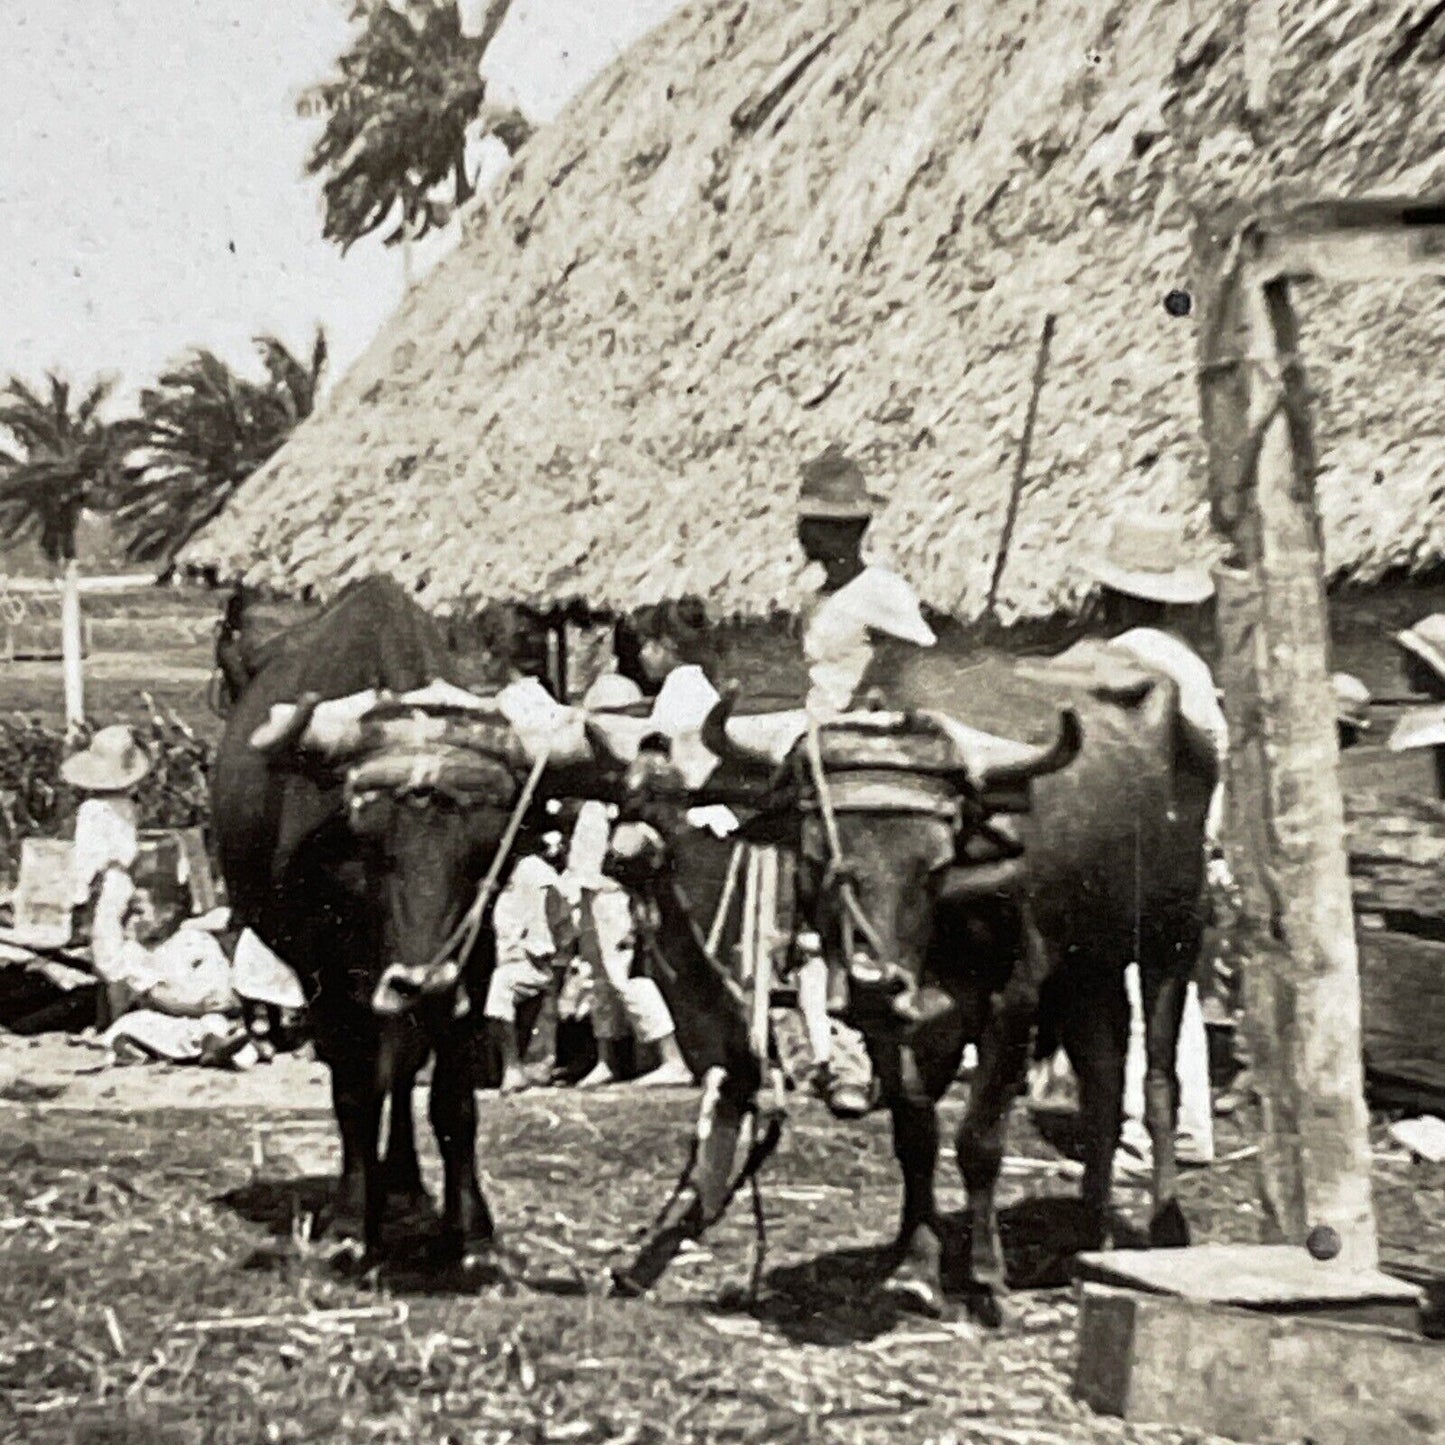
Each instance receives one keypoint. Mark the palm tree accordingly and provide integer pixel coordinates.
(65, 457)
(202, 430)
(398, 109)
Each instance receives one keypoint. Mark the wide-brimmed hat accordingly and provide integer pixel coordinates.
(113, 763)
(834, 489)
(612, 692)
(1426, 641)
(1147, 557)
(1352, 704)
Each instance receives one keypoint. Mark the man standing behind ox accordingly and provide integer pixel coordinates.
(855, 600)
(1152, 595)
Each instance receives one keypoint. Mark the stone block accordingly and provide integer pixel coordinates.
(1251, 1376)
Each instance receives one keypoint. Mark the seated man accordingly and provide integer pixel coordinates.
(526, 918)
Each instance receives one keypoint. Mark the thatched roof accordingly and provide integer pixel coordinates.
(773, 224)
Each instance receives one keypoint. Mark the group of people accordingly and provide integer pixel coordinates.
(1152, 607)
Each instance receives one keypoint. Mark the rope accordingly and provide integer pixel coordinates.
(853, 917)
(467, 931)
(725, 901)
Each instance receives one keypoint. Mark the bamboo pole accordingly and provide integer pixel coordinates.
(1287, 834)
(1021, 465)
(71, 662)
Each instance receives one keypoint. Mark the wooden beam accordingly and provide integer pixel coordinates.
(1287, 840)
(1351, 241)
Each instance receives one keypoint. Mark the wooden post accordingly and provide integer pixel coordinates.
(71, 661)
(1287, 840)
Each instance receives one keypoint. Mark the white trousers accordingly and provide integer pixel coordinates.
(1196, 1109)
(511, 985)
(621, 1004)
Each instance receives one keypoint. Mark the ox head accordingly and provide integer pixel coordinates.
(431, 781)
(887, 805)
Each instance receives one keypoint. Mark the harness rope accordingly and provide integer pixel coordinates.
(469, 928)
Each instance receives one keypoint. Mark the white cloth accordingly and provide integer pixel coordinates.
(262, 976)
(837, 641)
(683, 701)
(187, 976)
(1198, 699)
(587, 850)
(106, 836)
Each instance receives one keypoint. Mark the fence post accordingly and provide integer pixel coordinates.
(71, 661)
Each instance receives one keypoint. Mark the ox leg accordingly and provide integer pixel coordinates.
(1094, 1025)
(466, 1220)
(404, 1188)
(1003, 1057)
(1163, 994)
(916, 1281)
(356, 1099)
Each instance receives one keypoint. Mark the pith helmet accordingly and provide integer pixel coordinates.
(834, 489)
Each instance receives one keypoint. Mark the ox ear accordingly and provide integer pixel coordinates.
(282, 732)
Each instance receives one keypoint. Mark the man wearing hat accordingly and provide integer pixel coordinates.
(1152, 596)
(106, 847)
(857, 600)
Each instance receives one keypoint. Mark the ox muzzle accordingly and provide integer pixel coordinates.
(403, 986)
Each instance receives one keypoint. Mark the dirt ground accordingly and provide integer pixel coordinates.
(158, 1281)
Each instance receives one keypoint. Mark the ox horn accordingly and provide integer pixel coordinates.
(283, 731)
(760, 741)
(1002, 763)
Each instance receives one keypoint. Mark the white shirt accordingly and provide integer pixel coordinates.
(1198, 698)
(106, 836)
(837, 641)
(519, 917)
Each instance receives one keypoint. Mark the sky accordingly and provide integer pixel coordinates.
(152, 190)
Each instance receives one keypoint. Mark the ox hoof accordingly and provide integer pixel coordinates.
(989, 1305)
(1169, 1229)
(911, 1288)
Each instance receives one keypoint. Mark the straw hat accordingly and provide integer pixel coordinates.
(834, 489)
(113, 763)
(1426, 641)
(612, 693)
(1147, 557)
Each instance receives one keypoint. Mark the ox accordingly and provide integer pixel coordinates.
(918, 992)
(353, 849)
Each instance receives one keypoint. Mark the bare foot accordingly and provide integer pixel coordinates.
(669, 1076)
(514, 1081)
(598, 1078)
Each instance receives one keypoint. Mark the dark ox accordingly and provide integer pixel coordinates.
(953, 939)
(904, 792)
(358, 887)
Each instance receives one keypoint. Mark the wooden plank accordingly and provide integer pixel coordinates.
(1250, 1376)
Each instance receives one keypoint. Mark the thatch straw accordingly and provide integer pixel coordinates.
(775, 224)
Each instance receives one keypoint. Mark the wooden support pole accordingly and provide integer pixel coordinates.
(72, 662)
(1287, 839)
